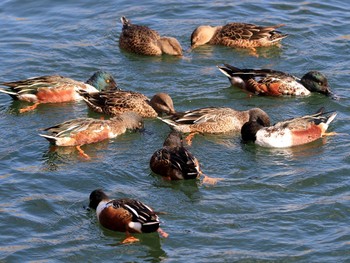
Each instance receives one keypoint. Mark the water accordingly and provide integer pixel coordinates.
(289, 205)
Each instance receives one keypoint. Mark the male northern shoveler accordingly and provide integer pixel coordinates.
(276, 83)
(175, 162)
(288, 133)
(239, 35)
(124, 215)
(115, 102)
(55, 88)
(211, 120)
(145, 41)
(82, 131)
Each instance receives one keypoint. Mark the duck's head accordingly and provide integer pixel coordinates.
(162, 104)
(202, 35)
(315, 81)
(96, 197)
(257, 120)
(102, 81)
(174, 139)
(170, 46)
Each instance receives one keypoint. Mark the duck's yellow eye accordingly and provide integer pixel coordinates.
(107, 80)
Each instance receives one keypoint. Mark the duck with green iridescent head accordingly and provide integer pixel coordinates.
(270, 82)
(55, 88)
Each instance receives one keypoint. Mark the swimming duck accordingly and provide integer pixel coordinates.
(276, 83)
(55, 88)
(82, 131)
(211, 120)
(124, 215)
(292, 132)
(115, 102)
(174, 162)
(145, 41)
(238, 35)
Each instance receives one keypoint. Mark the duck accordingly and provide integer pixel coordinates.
(270, 82)
(211, 120)
(115, 102)
(288, 133)
(175, 162)
(145, 41)
(78, 132)
(237, 35)
(55, 88)
(124, 215)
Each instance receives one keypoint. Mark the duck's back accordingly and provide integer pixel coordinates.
(139, 39)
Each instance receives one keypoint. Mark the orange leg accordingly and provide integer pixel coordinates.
(29, 108)
(82, 153)
(162, 233)
(210, 180)
(190, 137)
(253, 52)
(129, 239)
(329, 134)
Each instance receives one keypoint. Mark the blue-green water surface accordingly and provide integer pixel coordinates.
(286, 205)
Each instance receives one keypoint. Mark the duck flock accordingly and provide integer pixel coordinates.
(125, 110)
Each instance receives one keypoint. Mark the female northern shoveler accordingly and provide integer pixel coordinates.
(175, 162)
(55, 89)
(276, 83)
(124, 215)
(239, 35)
(211, 120)
(115, 102)
(82, 131)
(145, 41)
(288, 133)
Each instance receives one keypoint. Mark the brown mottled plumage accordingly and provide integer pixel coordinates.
(115, 102)
(239, 35)
(145, 41)
(211, 120)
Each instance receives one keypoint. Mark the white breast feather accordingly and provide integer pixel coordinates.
(274, 139)
(100, 207)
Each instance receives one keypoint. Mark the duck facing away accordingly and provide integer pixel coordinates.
(276, 83)
(237, 35)
(115, 102)
(82, 131)
(55, 88)
(213, 120)
(292, 132)
(124, 215)
(174, 162)
(145, 41)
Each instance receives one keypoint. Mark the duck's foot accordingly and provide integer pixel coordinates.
(82, 153)
(330, 134)
(253, 52)
(129, 240)
(29, 108)
(189, 138)
(162, 233)
(210, 180)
